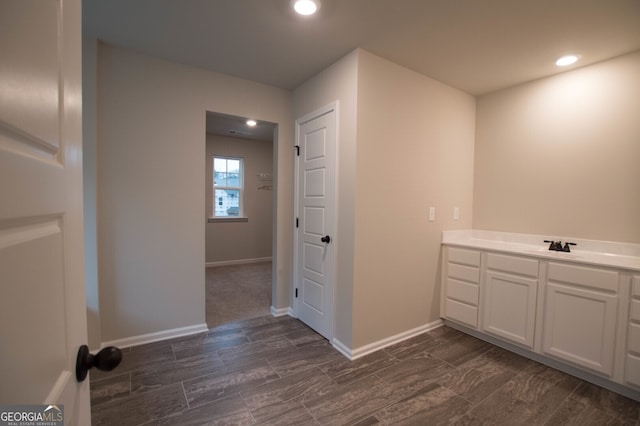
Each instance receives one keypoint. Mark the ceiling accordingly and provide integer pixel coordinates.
(477, 46)
(236, 127)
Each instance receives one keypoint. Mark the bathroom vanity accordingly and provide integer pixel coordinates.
(578, 311)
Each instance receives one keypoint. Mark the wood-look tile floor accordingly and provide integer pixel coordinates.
(277, 371)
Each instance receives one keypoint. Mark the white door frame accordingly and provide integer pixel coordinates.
(333, 106)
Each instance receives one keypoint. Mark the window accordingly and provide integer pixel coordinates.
(227, 187)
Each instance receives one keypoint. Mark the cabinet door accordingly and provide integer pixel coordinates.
(579, 326)
(632, 366)
(509, 309)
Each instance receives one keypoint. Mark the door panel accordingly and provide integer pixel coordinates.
(28, 370)
(315, 183)
(313, 264)
(314, 221)
(312, 295)
(316, 146)
(29, 92)
(42, 306)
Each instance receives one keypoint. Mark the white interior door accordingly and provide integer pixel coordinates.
(42, 305)
(316, 137)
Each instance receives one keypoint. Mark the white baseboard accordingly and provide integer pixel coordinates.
(237, 262)
(281, 312)
(342, 348)
(354, 354)
(142, 339)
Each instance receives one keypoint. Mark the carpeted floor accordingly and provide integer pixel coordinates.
(237, 292)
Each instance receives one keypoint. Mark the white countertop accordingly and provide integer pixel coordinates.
(593, 252)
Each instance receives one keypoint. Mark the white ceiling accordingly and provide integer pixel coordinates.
(477, 46)
(236, 127)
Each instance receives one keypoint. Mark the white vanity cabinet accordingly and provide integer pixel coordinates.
(576, 311)
(462, 285)
(509, 298)
(632, 361)
(580, 315)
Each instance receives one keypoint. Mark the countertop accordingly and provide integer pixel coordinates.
(592, 252)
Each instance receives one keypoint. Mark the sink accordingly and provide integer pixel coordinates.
(555, 254)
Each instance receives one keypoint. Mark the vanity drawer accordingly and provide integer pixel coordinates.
(463, 291)
(464, 257)
(513, 264)
(465, 273)
(600, 279)
(462, 313)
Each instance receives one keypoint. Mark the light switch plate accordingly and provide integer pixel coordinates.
(432, 214)
(456, 213)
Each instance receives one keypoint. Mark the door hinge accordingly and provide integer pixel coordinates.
(297, 147)
(297, 222)
(296, 292)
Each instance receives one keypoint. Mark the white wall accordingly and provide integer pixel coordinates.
(339, 83)
(415, 142)
(559, 156)
(228, 241)
(151, 176)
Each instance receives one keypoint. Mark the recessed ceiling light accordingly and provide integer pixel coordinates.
(251, 123)
(305, 7)
(567, 60)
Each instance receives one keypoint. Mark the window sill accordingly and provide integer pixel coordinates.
(228, 219)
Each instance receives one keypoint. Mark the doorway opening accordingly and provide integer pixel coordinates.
(239, 209)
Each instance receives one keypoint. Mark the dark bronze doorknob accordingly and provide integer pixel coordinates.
(326, 239)
(106, 360)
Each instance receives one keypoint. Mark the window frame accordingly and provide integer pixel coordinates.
(241, 217)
